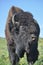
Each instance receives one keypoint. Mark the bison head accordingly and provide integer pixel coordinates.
(25, 30)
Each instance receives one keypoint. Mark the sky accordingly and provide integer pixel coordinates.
(33, 6)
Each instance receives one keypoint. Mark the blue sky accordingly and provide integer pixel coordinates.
(33, 6)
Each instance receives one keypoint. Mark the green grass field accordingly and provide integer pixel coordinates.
(4, 58)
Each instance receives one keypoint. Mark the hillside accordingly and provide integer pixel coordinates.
(4, 59)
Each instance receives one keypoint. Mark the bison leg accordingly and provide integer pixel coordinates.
(12, 55)
(32, 56)
(29, 59)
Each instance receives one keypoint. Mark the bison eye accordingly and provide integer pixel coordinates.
(33, 37)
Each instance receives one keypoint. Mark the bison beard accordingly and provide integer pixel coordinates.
(22, 33)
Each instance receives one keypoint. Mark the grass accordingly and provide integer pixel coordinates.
(4, 58)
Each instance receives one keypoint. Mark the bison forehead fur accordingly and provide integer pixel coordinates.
(22, 33)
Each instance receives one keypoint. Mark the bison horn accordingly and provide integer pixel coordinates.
(14, 18)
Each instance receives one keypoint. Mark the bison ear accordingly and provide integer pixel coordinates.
(15, 18)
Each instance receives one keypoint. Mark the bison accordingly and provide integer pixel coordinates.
(22, 34)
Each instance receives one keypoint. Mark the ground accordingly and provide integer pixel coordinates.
(4, 58)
